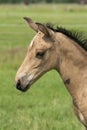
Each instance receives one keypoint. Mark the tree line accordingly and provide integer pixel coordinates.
(39, 1)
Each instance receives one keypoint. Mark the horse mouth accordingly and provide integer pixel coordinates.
(23, 88)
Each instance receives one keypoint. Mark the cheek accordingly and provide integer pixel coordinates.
(49, 56)
(51, 60)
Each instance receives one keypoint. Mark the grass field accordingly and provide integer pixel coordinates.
(47, 105)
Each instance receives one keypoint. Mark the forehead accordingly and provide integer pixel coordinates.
(39, 41)
(36, 39)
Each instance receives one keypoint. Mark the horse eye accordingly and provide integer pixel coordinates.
(40, 55)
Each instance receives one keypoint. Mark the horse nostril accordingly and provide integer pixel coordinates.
(18, 85)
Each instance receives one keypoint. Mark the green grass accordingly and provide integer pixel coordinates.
(47, 105)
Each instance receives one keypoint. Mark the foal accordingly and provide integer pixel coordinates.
(62, 50)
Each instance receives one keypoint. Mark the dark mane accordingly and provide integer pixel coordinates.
(78, 37)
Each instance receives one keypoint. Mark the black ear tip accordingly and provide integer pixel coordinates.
(27, 19)
(24, 17)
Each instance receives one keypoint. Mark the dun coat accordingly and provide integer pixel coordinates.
(64, 51)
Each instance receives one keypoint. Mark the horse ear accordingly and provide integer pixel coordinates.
(32, 24)
(48, 32)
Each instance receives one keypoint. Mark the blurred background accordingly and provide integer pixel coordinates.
(47, 105)
(43, 1)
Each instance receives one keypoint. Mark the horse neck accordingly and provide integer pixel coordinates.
(71, 61)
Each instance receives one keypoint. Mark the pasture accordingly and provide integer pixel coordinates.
(47, 105)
